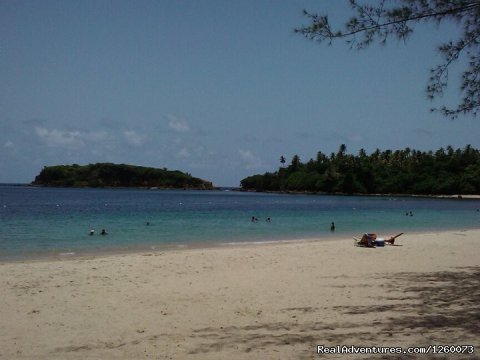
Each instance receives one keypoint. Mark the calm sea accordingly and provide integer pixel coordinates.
(37, 222)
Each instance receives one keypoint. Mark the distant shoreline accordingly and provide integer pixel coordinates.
(103, 187)
(454, 196)
(119, 187)
(237, 189)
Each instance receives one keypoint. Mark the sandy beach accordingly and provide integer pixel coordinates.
(268, 301)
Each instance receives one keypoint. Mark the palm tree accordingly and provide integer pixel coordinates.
(294, 166)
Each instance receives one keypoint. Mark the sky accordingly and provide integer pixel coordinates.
(219, 89)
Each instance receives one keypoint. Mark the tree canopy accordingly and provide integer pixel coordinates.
(444, 172)
(395, 18)
(116, 175)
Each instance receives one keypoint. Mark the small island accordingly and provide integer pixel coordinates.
(117, 175)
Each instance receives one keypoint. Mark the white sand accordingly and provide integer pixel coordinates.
(273, 301)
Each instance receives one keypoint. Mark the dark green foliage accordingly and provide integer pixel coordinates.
(445, 172)
(113, 175)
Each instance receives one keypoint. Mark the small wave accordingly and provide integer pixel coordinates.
(71, 253)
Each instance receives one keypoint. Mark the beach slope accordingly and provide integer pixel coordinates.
(271, 301)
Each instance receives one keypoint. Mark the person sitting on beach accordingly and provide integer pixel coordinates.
(367, 240)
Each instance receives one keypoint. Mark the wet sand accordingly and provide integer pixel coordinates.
(270, 301)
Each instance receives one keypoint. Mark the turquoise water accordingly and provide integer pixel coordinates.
(37, 222)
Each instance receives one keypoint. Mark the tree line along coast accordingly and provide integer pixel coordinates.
(411, 172)
(447, 171)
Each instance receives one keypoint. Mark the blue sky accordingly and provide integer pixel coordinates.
(220, 89)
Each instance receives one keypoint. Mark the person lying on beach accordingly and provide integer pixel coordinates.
(367, 240)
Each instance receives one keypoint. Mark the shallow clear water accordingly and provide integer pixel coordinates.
(44, 221)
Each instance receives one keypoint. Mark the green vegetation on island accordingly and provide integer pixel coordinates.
(117, 175)
(444, 172)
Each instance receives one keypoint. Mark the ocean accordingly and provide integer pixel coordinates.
(38, 222)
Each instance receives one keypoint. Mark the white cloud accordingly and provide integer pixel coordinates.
(133, 138)
(183, 153)
(8, 144)
(177, 125)
(69, 139)
(249, 160)
(60, 138)
(98, 136)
